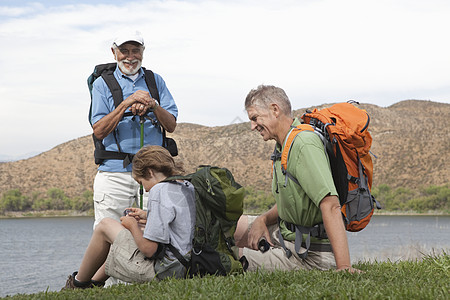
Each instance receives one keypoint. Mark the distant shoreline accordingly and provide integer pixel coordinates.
(71, 213)
(46, 214)
(411, 213)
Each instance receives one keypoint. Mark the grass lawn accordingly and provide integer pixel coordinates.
(428, 278)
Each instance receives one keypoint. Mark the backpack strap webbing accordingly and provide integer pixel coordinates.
(178, 255)
(276, 155)
(114, 87)
(317, 231)
(105, 154)
(151, 84)
(160, 254)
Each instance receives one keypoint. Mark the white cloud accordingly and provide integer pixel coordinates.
(211, 53)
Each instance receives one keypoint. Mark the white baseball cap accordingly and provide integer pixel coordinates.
(129, 36)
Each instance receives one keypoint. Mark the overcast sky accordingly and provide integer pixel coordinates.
(211, 53)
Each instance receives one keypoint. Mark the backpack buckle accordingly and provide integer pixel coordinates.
(276, 155)
(127, 160)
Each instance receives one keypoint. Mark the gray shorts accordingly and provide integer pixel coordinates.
(275, 258)
(126, 262)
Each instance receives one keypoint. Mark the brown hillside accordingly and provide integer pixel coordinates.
(411, 140)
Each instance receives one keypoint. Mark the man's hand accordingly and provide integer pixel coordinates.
(139, 102)
(257, 231)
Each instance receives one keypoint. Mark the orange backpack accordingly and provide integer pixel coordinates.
(343, 130)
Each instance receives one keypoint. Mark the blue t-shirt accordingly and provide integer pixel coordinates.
(128, 130)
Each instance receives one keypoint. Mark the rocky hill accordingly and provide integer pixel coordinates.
(411, 140)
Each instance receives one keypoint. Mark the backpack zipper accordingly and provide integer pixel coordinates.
(367, 123)
(209, 190)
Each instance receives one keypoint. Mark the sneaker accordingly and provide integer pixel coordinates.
(97, 283)
(72, 283)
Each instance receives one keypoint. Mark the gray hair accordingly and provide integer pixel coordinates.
(264, 95)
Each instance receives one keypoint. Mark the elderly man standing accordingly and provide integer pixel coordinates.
(114, 188)
(312, 204)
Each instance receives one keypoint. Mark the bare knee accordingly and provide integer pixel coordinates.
(105, 225)
(103, 222)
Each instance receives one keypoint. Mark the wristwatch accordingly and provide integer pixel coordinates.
(156, 105)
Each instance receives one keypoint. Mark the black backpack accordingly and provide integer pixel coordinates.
(106, 71)
(219, 204)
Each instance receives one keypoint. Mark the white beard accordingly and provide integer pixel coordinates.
(128, 71)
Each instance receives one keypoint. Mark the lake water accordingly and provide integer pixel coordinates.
(38, 254)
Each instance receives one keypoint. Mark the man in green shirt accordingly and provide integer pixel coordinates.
(312, 202)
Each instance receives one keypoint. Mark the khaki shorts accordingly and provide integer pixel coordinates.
(276, 259)
(126, 262)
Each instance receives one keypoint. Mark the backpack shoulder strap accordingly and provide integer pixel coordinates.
(289, 140)
(151, 84)
(178, 177)
(113, 86)
(178, 255)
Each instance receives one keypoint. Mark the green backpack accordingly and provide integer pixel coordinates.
(219, 204)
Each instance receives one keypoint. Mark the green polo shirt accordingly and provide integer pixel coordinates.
(309, 164)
